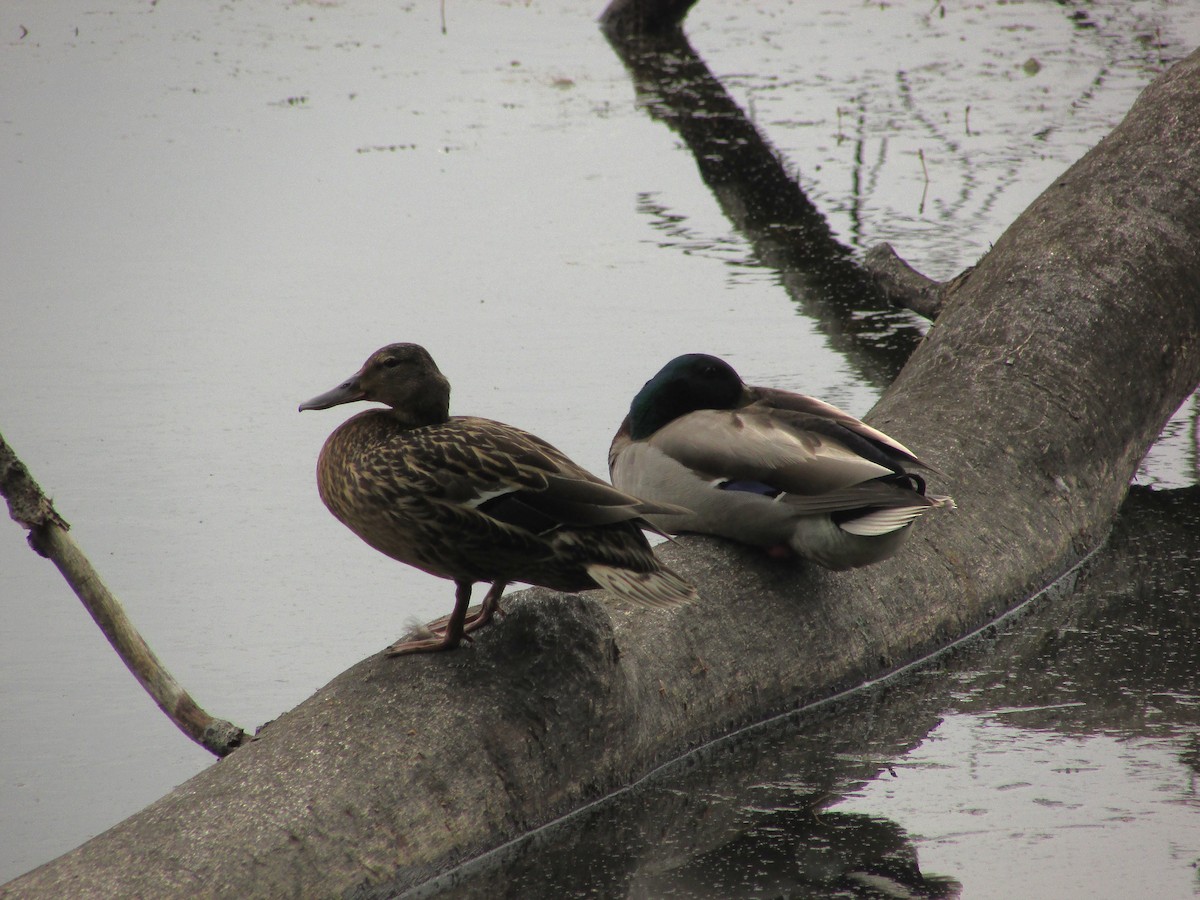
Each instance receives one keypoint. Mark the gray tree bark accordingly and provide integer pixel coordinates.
(1046, 377)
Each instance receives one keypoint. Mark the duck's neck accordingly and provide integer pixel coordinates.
(654, 408)
(645, 418)
(671, 394)
(430, 405)
(406, 418)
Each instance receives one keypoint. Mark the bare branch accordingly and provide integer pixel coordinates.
(48, 536)
(905, 287)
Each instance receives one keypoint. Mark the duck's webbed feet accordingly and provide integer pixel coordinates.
(422, 645)
(490, 608)
(448, 631)
(477, 616)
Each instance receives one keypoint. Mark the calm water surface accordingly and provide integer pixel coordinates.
(216, 211)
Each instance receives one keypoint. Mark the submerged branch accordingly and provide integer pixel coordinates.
(751, 181)
(642, 17)
(48, 536)
(766, 203)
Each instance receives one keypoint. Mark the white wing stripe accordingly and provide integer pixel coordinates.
(484, 496)
(882, 521)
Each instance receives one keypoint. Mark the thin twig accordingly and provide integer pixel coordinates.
(48, 536)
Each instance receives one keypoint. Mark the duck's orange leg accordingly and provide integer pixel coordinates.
(477, 616)
(455, 627)
(489, 609)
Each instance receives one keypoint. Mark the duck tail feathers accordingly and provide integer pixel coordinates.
(660, 589)
(892, 518)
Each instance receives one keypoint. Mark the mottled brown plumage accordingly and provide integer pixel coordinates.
(470, 499)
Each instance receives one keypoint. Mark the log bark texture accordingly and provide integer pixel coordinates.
(1038, 390)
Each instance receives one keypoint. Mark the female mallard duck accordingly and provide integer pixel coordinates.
(472, 500)
(767, 467)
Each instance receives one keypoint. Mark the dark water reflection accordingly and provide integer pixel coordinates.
(753, 815)
(1122, 657)
(764, 201)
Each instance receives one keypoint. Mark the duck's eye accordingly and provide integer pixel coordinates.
(391, 362)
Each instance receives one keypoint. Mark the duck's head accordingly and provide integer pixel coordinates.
(685, 384)
(403, 376)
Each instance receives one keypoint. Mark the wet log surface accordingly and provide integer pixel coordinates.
(1038, 390)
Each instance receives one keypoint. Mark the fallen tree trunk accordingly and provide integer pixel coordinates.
(1037, 392)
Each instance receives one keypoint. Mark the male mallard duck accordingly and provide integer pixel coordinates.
(767, 467)
(472, 500)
